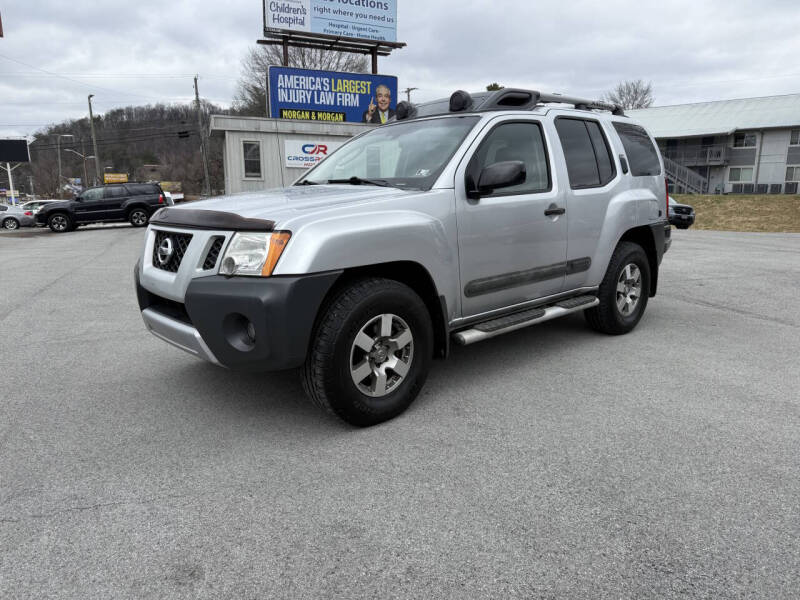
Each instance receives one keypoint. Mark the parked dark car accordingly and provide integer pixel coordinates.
(133, 202)
(680, 215)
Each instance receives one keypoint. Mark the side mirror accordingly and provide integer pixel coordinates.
(499, 175)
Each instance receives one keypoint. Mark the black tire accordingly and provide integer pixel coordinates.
(607, 316)
(682, 226)
(10, 224)
(326, 375)
(59, 222)
(138, 217)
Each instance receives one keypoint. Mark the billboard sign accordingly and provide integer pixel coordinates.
(374, 20)
(303, 154)
(115, 178)
(309, 95)
(14, 151)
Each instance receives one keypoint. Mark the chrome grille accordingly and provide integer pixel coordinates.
(213, 253)
(180, 242)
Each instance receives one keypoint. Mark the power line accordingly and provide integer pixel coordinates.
(93, 87)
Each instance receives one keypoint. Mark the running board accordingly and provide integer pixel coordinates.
(489, 329)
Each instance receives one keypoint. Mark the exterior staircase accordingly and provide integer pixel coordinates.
(684, 177)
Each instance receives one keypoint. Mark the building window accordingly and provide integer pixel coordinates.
(744, 140)
(252, 159)
(792, 173)
(794, 140)
(741, 174)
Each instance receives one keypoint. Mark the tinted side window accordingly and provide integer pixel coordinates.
(93, 194)
(605, 165)
(118, 191)
(578, 152)
(513, 141)
(140, 189)
(639, 148)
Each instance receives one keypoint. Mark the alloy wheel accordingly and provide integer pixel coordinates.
(629, 289)
(381, 355)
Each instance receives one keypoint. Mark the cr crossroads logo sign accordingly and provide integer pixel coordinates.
(303, 154)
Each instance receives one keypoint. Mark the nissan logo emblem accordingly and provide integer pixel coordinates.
(165, 251)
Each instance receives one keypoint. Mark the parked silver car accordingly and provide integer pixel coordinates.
(464, 219)
(13, 217)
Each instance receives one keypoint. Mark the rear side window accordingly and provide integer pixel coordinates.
(639, 148)
(115, 192)
(586, 152)
(141, 189)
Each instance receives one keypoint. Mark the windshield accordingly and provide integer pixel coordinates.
(409, 154)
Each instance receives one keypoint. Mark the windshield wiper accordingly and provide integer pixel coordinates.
(354, 180)
(308, 182)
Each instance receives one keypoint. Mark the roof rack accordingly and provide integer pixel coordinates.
(504, 99)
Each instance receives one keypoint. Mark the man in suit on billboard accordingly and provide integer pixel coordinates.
(381, 113)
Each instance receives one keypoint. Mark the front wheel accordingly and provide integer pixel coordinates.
(10, 224)
(58, 223)
(371, 352)
(138, 217)
(623, 293)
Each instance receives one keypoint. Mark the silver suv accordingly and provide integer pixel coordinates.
(458, 221)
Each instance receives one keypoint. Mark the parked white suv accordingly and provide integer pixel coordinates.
(460, 220)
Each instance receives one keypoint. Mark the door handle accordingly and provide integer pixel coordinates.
(554, 210)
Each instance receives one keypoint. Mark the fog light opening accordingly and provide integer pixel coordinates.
(239, 331)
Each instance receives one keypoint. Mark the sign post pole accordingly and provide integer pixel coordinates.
(11, 183)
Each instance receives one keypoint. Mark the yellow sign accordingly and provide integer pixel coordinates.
(171, 186)
(115, 178)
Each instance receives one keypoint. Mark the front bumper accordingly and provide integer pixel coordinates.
(677, 219)
(213, 321)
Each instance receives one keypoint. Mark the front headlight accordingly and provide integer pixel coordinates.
(254, 254)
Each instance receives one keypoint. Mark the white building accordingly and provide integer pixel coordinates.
(751, 145)
(267, 153)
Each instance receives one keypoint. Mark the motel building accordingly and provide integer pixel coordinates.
(745, 146)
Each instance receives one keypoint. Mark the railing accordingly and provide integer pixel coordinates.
(716, 154)
(686, 178)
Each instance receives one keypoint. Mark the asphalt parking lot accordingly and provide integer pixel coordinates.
(552, 462)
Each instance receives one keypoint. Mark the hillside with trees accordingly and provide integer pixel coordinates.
(127, 139)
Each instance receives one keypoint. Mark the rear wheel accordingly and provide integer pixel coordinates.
(138, 217)
(371, 352)
(623, 293)
(10, 224)
(59, 222)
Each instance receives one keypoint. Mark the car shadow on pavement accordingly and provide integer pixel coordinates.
(276, 399)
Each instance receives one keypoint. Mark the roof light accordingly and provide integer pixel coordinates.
(460, 100)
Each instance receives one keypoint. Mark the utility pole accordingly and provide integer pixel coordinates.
(58, 147)
(206, 183)
(94, 141)
(408, 91)
(30, 180)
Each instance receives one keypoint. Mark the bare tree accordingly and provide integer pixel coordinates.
(250, 97)
(631, 94)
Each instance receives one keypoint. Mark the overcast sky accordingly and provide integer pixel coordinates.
(148, 51)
